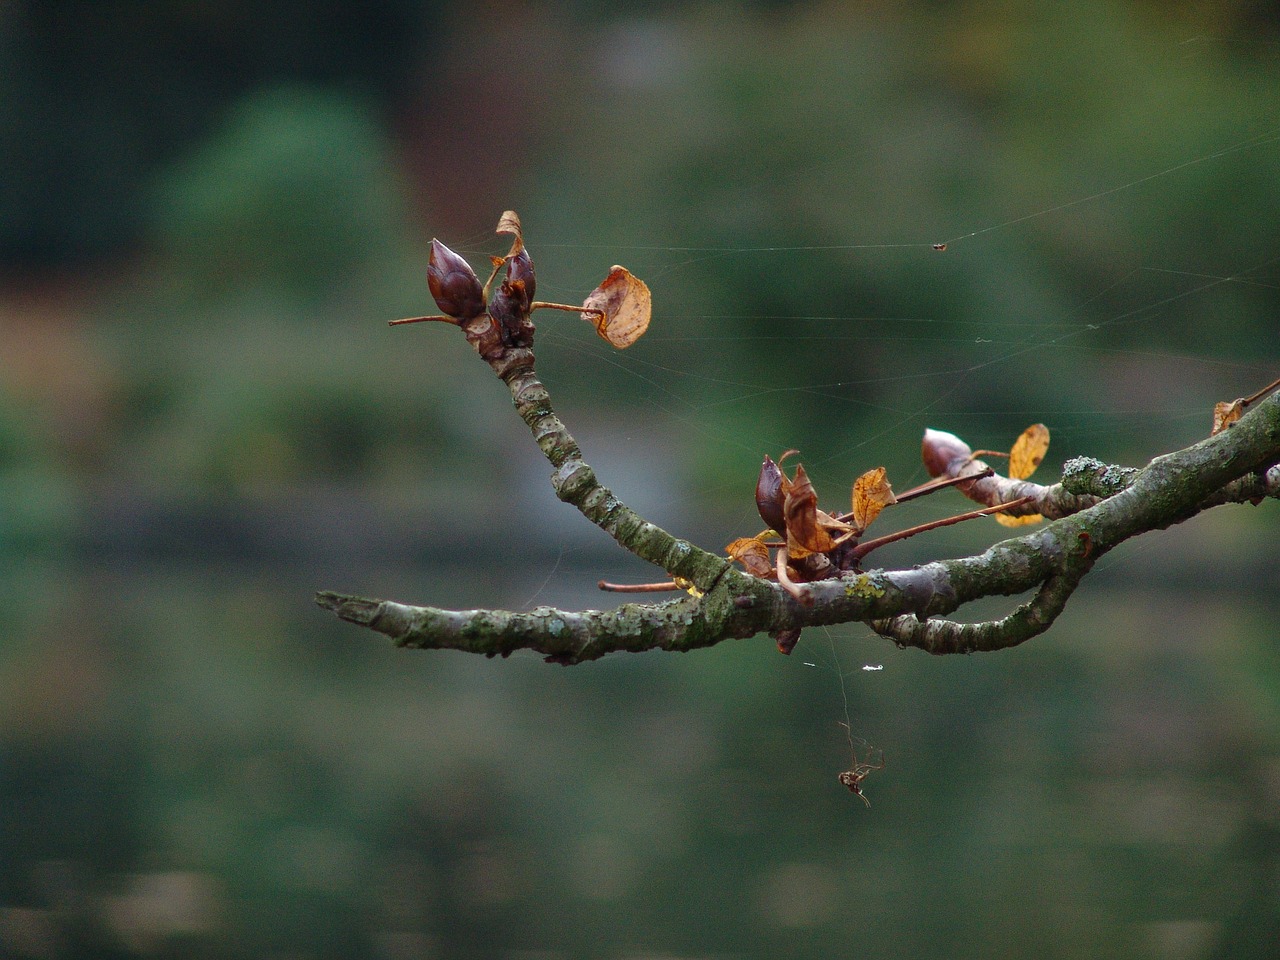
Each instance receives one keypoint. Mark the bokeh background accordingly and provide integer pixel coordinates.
(209, 211)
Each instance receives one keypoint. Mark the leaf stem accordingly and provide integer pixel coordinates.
(862, 549)
(663, 587)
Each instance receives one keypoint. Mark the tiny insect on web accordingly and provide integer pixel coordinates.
(858, 769)
(857, 772)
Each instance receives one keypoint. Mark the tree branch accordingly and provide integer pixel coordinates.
(575, 482)
(1100, 506)
(1094, 508)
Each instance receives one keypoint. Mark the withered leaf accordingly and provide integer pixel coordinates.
(1006, 520)
(509, 223)
(625, 306)
(833, 525)
(808, 528)
(871, 494)
(1225, 414)
(753, 555)
(1028, 450)
(687, 586)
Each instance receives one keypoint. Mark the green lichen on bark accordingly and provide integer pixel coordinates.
(1097, 507)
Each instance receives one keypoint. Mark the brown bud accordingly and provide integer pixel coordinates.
(511, 302)
(940, 449)
(453, 284)
(520, 271)
(769, 496)
(786, 640)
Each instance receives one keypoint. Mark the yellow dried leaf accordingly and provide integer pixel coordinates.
(871, 494)
(625, 306)
(1225, 414)
(1028, 450)
(753, 555)
(687, 586)
(1006, 520)
(509, 223)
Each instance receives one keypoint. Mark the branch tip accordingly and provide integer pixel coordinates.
(358, 610)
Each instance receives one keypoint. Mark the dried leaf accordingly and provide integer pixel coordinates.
(833, 525)
(688, 587)
(509, 223)
(805, 535)
(871, 494)
(1028, 450)
(1225, 414)
(753, 555)
(1006, 520)
(626, 305)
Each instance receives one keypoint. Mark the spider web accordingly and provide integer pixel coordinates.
(1114, 328)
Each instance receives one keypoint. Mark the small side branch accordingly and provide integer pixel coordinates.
(575, 482)
(940, 636)
(1093, 509)
(562, 636)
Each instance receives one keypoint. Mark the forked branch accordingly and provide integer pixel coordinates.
(1093, 509)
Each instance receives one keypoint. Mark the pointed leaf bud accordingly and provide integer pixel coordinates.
(769, 496)
(940, 449)
(453, 284)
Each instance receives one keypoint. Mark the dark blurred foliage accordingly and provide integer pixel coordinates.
(208, 213)
(97, 94)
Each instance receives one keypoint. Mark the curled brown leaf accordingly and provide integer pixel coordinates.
(1225, 414)
(753, 555)
(771, 488)
(620, 308)
(786, 640)
(808, 528)
(509, 223)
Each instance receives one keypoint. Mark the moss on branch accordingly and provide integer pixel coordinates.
(1238, 465)
(1094, 508)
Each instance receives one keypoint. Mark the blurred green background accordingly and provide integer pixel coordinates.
(209, 211)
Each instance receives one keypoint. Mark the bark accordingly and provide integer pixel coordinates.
(1096, 507)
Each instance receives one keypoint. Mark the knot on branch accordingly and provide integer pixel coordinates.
(1086, 476)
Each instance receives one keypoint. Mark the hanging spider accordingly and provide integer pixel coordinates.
(853, 777)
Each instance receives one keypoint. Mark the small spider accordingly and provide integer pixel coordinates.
(853, 777)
